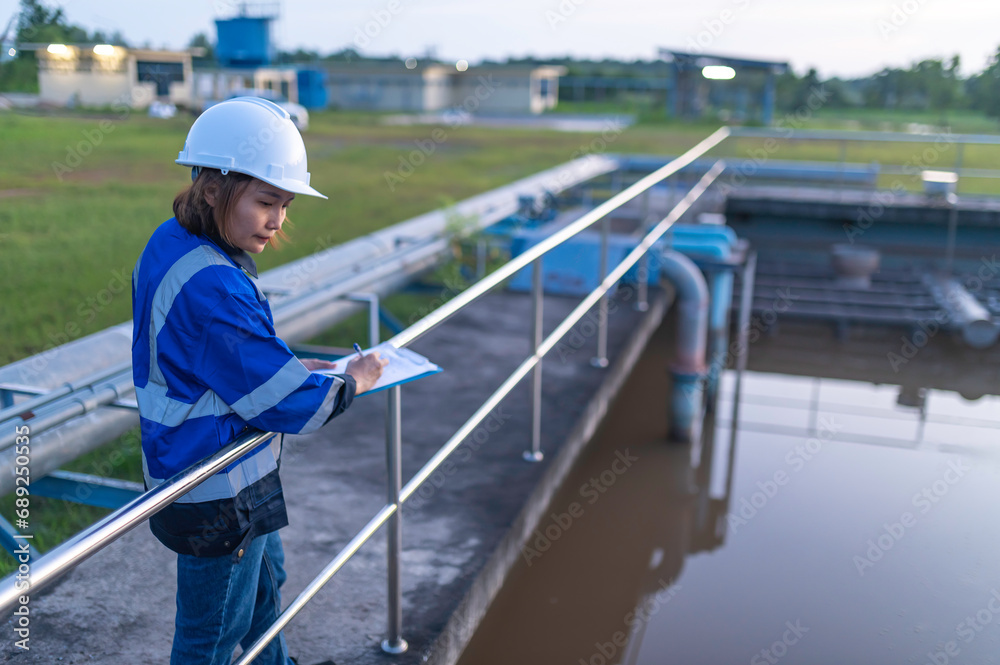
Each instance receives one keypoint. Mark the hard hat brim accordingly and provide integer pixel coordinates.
(293, 186)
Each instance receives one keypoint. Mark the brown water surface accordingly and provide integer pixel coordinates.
(835, 527)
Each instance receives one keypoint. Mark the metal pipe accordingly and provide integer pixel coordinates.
(747, 278)
(642, 288)
(79, 548)
(949, 246)
(60, 445)
(373, 306)
(394, 643)
(964, 311)
(864, 136)
(718, 329)
(64, 408)
(688, 368)
(67, 388)
(477, 290)
(534, 454)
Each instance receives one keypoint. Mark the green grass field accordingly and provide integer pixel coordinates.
(80, 195)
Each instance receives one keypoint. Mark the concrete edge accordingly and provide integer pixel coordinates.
(448, 647)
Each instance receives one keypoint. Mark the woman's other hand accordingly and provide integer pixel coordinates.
(366, 370)
(314, 364)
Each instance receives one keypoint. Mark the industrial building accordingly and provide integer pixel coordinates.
(436, 87)
(699, 82)
(106, 75)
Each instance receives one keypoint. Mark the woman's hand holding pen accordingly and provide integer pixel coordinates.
(366, 370)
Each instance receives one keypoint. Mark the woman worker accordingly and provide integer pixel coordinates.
(207, 365)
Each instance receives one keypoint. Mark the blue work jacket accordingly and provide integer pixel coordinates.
(206, 365)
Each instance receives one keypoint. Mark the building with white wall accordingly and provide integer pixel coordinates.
(106, 75)
(218, 84)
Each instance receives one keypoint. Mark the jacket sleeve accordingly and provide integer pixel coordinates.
(244, 362)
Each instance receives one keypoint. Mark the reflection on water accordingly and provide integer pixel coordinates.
(836, 526)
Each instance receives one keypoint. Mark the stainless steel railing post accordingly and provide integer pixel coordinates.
(394, 643)
(601, 359)
(642, 287)
(373, 323)
(535, 454)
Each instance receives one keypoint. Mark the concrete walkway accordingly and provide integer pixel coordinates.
(461, 532)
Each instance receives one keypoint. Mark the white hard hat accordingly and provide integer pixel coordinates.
(253, 136)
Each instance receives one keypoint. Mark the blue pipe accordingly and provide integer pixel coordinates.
(688, 370)
(718, 330)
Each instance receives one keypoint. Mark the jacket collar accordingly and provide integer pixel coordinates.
(239, 256)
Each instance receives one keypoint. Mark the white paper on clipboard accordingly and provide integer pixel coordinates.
(404, 366)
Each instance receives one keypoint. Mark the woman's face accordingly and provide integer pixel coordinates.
(258, 215)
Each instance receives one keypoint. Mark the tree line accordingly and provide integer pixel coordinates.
(927, 85)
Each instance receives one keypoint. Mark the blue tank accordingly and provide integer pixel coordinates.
(312, 88)
(244, 42)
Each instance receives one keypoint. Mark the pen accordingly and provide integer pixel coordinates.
(358, 349)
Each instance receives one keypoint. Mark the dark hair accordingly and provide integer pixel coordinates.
(195, 214)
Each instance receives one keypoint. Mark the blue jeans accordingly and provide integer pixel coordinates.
(224, 601)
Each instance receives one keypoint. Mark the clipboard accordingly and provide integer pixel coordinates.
(404, 366)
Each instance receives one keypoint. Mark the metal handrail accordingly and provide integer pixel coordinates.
(48, 568)
(85, 544)
(482, 412)
(856, 135)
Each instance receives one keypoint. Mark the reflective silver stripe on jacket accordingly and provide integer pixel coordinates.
(228, 485)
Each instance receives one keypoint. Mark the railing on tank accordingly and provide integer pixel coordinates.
(48, 568)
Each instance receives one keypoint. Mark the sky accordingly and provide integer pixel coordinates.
(838, 37)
